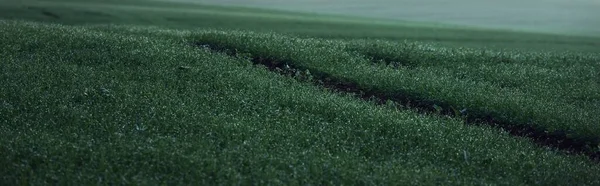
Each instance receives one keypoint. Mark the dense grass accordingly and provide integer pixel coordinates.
(180, 99)
(555, 96)
(191, 16)
(126, 105)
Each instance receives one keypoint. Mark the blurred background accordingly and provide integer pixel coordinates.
(575, 17)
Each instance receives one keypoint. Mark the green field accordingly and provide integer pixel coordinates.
(157, 92)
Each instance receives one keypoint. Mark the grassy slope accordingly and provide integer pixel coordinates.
(131, 105)
(176, 15)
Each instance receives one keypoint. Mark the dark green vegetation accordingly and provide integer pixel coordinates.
(115, 105)
(106, 104)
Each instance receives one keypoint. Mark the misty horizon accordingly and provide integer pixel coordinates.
(568, 17)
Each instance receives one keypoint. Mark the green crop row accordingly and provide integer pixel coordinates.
(567, 77)
(536, 92)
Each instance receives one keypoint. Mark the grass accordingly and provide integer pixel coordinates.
(124, 104)
(117, 106)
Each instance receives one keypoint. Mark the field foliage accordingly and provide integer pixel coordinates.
(162, 93)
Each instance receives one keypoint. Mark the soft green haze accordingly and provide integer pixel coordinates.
(556, 16)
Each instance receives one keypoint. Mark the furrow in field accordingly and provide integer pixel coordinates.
(522, 112)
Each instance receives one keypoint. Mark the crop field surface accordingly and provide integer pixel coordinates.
(179, 93)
